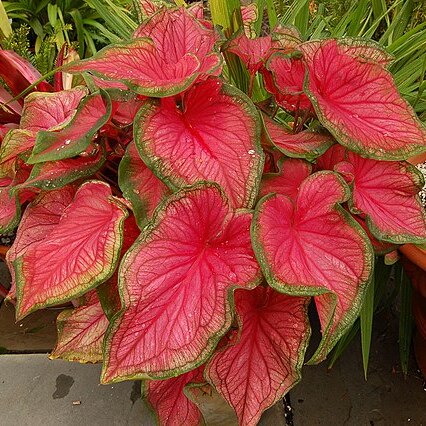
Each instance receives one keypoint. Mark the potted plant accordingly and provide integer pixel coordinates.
(198, 190)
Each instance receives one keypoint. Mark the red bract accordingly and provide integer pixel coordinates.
(161, 133)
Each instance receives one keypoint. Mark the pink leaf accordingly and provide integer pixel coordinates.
(93, 112)
(253, 52)
(108, 291)
(176, 33)
(147, 8)
(249, 15)
(50, 111)
(77, 255)
(386, 192)
(177, 52)
(211, 133)
(333, 156)
(305, 144)
(139, 185)
(16, 142)
(359, 103)
(365, 50)
(55, 174)
(286, 84)
(102, 83)
(80, 333)
(39, 219)
(313, 247)
(380, 247)
(169, 401)
(287, 38)
(262, 363)
(176, 283)
(127, 110)
(135, 63)
(288, 180)
(9, 211)
(197, 10)
(16, 71)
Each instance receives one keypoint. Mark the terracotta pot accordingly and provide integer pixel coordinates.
(415, 266)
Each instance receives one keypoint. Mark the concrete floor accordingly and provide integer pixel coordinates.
(38, 392)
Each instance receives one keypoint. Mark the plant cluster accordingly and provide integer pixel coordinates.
(46, 26)
(191, 226)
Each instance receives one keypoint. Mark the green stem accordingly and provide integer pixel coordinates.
(37, 82)
(227, 14)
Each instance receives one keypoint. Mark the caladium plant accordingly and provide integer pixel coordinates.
(191, 226)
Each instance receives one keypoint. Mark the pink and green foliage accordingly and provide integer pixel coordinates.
(262, 360)
(170, 403)
(190, 226)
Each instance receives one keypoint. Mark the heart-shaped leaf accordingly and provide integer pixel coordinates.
(211, 133)
(39, 219)
(139, 185)
(262, 361)
(169, 52)
(176, 283)
(288, 180)
(77, 255)
(305, 144)
(167, 398)
(177, 33)
(93, 112)
(312, 246)
(386, 192)
(16, 142)
(81, 332)
(253, 52)
(55, 174)
(358, 102)
(286, 81)
(50, 111)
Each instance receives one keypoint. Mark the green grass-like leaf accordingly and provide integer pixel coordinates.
(366, 322)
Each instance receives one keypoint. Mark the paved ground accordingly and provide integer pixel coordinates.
(38, 392)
